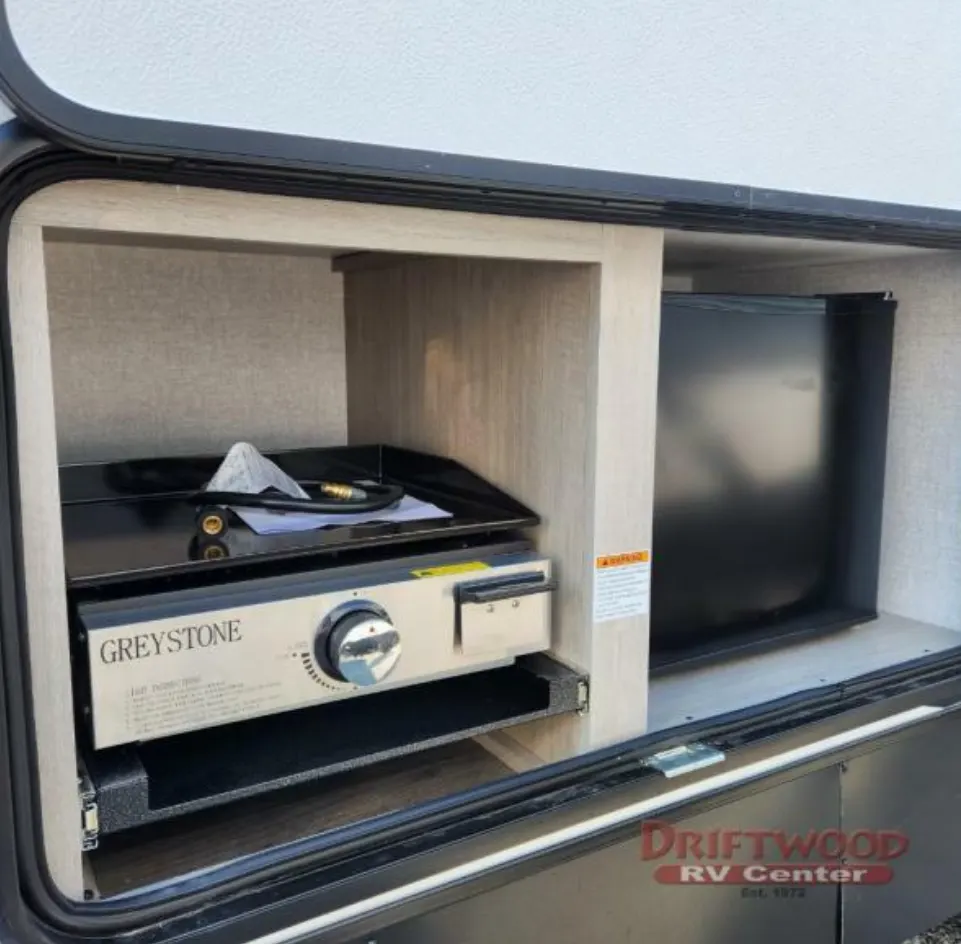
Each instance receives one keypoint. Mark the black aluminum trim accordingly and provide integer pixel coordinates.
(99, 132)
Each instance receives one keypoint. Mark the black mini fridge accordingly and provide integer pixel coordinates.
(771, 429)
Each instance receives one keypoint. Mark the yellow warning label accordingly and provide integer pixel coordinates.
(623, 560)
(448, 569)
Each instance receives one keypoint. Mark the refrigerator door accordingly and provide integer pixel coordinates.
(743, 482)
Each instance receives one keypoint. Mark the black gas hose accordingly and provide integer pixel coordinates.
(341, 499)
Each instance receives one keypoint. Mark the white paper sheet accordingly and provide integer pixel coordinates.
(246, 470)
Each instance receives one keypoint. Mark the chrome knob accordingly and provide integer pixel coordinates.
(362, 645)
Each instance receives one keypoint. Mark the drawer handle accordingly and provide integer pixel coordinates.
(506, 588)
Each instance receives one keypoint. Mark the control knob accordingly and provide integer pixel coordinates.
(358, 644)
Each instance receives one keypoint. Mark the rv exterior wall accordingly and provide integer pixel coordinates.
(822, 97)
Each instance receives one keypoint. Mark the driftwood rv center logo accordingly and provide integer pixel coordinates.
(771, 856)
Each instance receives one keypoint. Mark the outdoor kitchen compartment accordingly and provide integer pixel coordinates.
(160, 323)
(157, 323)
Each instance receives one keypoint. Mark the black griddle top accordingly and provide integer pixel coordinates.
(131, 521)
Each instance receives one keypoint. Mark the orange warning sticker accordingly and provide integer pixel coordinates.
(622, 585)
(623, 560)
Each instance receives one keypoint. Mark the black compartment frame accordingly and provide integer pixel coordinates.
(296, 883)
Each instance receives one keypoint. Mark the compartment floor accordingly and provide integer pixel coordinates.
(175, 848)
(740, 681)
